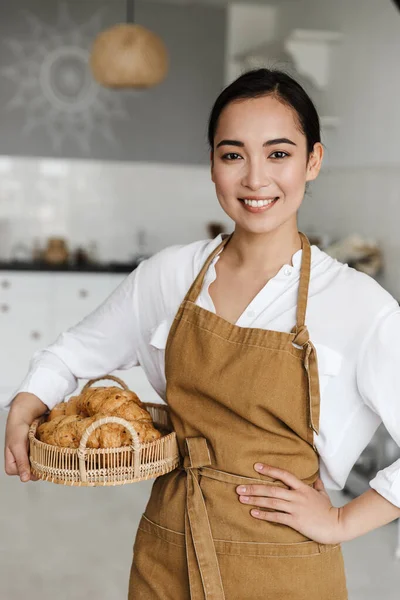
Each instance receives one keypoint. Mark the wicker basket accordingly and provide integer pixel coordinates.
(107, 466)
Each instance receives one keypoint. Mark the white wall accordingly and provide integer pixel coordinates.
(105, 202)
(359, 190)
(365, 86)
(248, 26)
(365, 200)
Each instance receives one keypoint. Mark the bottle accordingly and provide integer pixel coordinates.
(141, 237)
(92, 252)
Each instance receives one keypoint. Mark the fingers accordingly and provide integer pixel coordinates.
(287, 478)
(16, 458)
(16, 447)
(318, 485)
(17, 462)
(273, 517)
(265, 490)
(263, 502)
(10, 466)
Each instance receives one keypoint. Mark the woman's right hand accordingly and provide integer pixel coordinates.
(25, 408)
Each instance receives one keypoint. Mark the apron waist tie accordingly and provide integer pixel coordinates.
(203, 568)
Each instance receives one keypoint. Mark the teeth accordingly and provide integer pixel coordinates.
(257, 203)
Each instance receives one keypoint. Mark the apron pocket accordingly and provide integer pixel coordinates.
(159, 567)
(303, 570)
(277, 577)
(299, 571)
(163, 533)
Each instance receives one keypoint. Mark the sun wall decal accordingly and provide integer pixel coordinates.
(53, 84)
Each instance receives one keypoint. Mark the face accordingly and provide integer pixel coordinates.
(260, 156)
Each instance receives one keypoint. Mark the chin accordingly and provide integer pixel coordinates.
(258, 228)
(258, 224)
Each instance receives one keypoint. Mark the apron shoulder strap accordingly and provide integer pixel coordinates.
(304, 281)
(302, 338)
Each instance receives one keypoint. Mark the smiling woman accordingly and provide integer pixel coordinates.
(275, 151)
(267, 351)
(264, 146)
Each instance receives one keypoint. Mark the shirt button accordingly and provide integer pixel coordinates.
(287, 271)
(251, 313)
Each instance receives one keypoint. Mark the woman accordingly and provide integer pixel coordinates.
(279, 362)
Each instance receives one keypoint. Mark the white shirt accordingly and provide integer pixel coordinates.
(353, 322)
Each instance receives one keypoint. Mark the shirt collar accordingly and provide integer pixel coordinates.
(296, 258)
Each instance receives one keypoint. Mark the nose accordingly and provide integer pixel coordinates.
(256, 175)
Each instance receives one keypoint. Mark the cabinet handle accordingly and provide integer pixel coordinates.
(83, 293)
(36, 335)
(4, 308)
(5, 284)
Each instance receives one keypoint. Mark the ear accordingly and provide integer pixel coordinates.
(315, 162)
(212, 165)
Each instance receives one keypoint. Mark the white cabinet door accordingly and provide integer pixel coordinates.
(77, 295)
(25, 322)
(36, 307)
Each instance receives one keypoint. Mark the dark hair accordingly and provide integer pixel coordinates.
(269, 82)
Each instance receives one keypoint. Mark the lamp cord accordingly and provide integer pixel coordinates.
(129, 11)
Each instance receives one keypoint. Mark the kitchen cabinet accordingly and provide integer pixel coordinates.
(24, 323)
(77, 295)
(36, 307)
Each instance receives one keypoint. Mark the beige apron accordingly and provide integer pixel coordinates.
(236, 395)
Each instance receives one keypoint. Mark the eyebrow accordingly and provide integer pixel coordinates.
(268, 143)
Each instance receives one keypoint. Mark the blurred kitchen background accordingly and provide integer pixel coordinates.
(94, 179)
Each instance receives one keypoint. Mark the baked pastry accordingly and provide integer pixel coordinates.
(65, 409)
(112, 401)
(67, 432)
(68, 421)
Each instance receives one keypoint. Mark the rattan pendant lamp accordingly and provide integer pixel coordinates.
(129, 55)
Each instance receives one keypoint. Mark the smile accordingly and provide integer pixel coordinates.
(258, 205)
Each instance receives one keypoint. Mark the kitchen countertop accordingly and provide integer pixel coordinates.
(112, 267)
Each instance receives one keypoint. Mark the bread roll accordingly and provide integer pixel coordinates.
(67, 421)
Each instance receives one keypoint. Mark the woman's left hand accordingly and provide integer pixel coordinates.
(304, 508)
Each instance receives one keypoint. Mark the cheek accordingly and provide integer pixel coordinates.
(224, 179)
(292, 178)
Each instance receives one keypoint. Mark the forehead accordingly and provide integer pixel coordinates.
(265, 117)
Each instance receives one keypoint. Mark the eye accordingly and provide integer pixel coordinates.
(280, 153)
(230, 154)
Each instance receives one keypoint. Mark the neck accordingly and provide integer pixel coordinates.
(263, 252)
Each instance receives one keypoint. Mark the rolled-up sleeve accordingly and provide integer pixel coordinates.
(378, 380)
(104, 341)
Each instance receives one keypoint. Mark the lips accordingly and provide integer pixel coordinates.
(258, 206)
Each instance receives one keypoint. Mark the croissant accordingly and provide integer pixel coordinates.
(112, 401)
(65, 409)
(68, 421)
